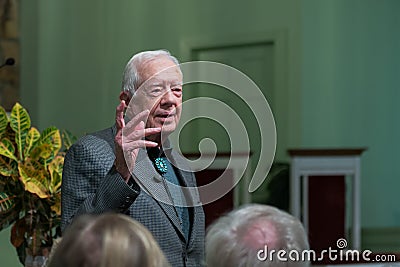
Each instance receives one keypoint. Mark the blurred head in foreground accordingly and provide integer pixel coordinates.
(245, 237)
(107, 240)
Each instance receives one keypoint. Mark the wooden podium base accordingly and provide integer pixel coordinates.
(326, 217)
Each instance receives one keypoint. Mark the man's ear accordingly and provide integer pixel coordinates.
(124, 95)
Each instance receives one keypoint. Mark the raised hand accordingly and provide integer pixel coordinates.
(130, 138)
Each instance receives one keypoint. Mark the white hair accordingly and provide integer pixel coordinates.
(131, 79)
(226, 244)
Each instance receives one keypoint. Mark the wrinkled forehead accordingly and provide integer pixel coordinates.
(160, 70)
(167, 76)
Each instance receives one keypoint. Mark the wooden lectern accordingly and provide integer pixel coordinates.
(332, 165)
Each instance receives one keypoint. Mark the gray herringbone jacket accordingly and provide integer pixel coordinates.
(91, 185)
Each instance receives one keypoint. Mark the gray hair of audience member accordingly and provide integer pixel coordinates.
(131, 79)
(107, 240)
(236, 238)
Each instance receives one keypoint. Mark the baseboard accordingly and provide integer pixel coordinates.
(381, 239)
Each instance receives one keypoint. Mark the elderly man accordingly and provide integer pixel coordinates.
(130, 168)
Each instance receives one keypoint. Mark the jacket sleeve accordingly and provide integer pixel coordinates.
(90, 183)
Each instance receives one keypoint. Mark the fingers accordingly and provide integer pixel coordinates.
(132, 145)
(135, 129)
(135, 121)
(119, 115)
(140, 133)
(150, 131)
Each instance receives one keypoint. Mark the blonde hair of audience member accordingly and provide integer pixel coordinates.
(107, 240)
(235, 238)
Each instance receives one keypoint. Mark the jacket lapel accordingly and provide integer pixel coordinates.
(154, 185)
(191, 194)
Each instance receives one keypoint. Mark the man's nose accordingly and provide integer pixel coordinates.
(168, 97)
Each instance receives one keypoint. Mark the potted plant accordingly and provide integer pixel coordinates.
(31, 165)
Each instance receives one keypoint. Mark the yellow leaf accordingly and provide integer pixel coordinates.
(51, 136)
(37, 188)
(55, 168)
(30, 168)
(43, 151)
(3, 121)
(32, 136)
(33, 179)
(57, 207)
(20, 122)
(7, 149)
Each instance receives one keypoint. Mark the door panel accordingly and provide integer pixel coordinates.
(257, 62)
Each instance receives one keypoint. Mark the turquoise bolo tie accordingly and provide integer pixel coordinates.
(161, 165)
(158, 158)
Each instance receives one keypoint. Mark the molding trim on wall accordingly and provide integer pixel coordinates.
(277, 37)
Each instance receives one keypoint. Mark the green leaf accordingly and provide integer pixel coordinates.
(7, 203)
(20, 122)
(8, 167)
(32, 136)
(68, 139)
(3, 121)
(52, 137)
(55, 169)
(7, 149)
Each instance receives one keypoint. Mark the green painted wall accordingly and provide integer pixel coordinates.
(350, 92)
(8, 254)
(74, 60)
(342, 71)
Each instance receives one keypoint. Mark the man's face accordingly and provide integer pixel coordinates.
(160, 93)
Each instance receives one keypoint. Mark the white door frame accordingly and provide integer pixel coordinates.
(280, 85)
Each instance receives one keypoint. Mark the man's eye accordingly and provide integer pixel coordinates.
(177, 89)
(156, 91)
